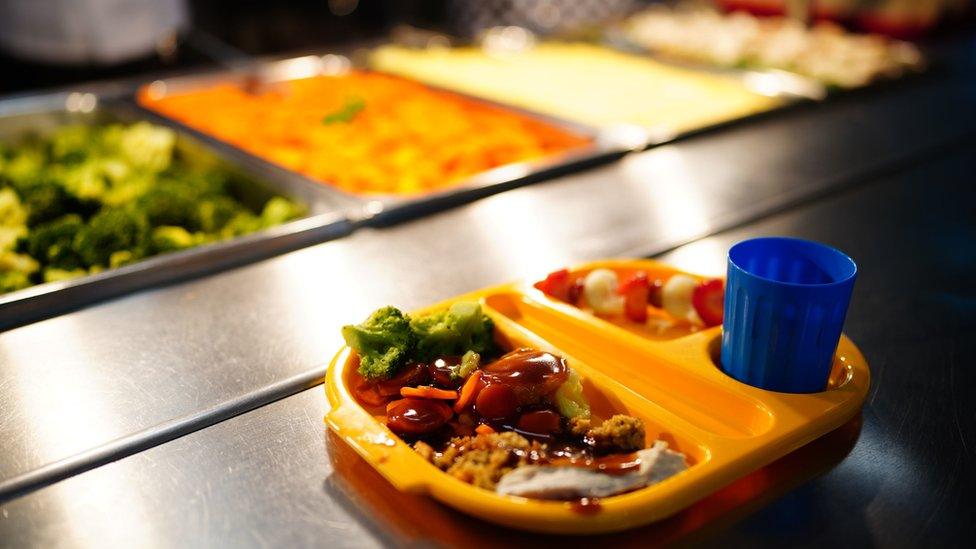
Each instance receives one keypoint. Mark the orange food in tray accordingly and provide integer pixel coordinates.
(367, 132)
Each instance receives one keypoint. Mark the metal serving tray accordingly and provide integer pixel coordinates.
(384, 209)
(786, 85)
(44, 113)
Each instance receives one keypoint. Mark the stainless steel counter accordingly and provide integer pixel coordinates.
(159, 364)
(129, 366)
(276, 477)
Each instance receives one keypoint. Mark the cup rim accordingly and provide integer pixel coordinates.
(804, 242)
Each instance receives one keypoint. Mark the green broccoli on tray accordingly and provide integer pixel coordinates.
(389, 339)
(90, 198)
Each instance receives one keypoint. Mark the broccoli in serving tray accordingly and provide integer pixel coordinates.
(90, 198)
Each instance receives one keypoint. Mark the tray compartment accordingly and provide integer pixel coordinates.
(45, 113)
(650, 374)
(660, 325)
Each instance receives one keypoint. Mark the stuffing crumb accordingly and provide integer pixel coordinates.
(483, 459)
(618, 434)
(579, 426)
(425, 450)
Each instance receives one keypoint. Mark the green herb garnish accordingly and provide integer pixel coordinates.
(346, 112)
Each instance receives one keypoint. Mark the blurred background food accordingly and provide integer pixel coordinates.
(57, 42)
(590, 84)
(366, 132)
(87, 198)
(824, 50)
(378, 117)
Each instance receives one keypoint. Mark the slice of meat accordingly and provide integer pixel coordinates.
(568, 482)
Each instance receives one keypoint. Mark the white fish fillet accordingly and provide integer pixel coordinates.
(567, 482)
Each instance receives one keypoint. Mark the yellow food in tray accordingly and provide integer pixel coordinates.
(585, 83)
(366, 132)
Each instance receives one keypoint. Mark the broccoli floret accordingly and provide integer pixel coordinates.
(13, 218)
(215, 213)
(47, 200)
(85, 181)
(122, 258)
(12, 210)
(51, 243)
(203, 184)
(455, 331)
(168, 204)
(10, 236)
(383, 342)
(170, 239)
(470, 362)
(71, 144)
(143, 145)
(279, 210)
(125, 190)
(243, 223)
(111, 231)
(52, 274)
(24, 166)
(15, 271)
(570, 399)
(11, 281)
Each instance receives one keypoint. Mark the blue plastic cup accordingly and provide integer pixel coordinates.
(785, 303)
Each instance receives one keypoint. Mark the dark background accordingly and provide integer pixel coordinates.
(256, 27)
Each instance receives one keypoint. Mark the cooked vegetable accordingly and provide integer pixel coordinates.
(384, 342)
(170, 238)
(426, 391)
(367, 132)
(57, 275)
(416, 416)
(346, 112)
(469, 363)
(13, 219)
(15, 270)
(53, 242)
(88, 198)
(454, 331)
(111, 231)
(469, 391)
(570, 399)
(389, 338)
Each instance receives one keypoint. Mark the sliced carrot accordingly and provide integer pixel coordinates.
(484, 429)
(367, 394)
(469, 391)
(426, 391)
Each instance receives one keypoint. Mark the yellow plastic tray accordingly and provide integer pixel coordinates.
(667, 378)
